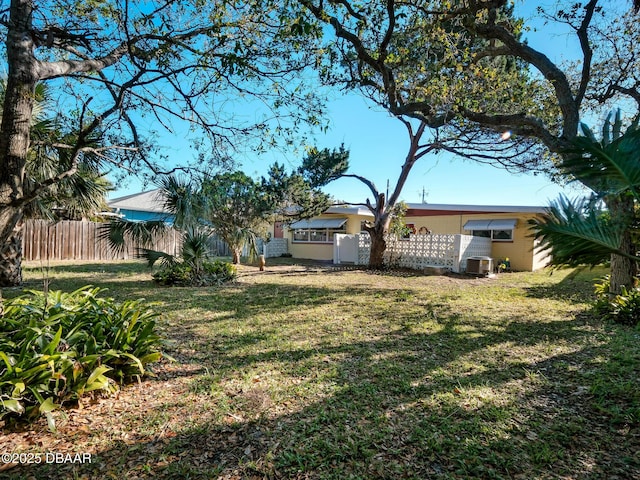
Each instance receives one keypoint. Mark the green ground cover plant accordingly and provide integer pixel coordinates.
(622, 308)
(308, 372)
(56, 347)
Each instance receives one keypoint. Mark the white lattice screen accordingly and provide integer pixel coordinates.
(364, 247)
(422, 251)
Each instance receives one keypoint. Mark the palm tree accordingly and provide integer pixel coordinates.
(605, 226)
(230, 205)
(70, 196)
(74, 197)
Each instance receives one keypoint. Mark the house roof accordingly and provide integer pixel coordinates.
(415, 209)
(348, 210)
(151, 201)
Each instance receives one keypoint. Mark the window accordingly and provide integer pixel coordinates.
(316, 235)
(318, 230)
(495, 235)
(498, 230)
(502, 235)
(301, 235)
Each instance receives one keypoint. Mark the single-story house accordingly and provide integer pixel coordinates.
(506, 226)
(313, 238)
(140, 207)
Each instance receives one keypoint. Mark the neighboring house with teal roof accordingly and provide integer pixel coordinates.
(140, 207)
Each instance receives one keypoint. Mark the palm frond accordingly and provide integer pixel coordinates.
(195, 247)
(118, 231)
(617, 125)
(181, 198)
(575, 233)
(586, 131)
(152, 256)
(610, 166)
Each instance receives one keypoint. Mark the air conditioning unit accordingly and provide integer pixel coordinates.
(479, 265)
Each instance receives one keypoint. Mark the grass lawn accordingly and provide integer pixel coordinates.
(305, 372)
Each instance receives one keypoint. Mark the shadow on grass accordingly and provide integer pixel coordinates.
(115, 276)
(403, 407)
(577, 287)
(89, 268)
(442, 395)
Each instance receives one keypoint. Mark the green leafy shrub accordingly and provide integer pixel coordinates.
(623, 308)
(175, 274)
(56, 347)
(210, 273)
(219, 271)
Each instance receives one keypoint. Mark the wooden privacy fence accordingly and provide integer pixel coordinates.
(80, 240)
(218, 247)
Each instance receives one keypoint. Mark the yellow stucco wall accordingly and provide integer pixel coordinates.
(354, 222)
(519, 251)
(312, 251)
(540, 259)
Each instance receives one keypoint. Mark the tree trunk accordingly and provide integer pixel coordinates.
(11, 251)
(236, 254)
(623, 269)
(378, 235)
(378, 232)
(622, 273)
(14, 137)
(378, 247)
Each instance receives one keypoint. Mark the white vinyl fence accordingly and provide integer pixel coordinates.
(419, 251)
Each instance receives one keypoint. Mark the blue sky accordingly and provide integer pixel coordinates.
(378, 144)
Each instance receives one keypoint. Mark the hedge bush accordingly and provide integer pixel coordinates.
(208, 273)
(55, 347)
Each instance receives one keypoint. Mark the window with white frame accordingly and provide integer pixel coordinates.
(318, 230)
(495, 235)
(498, 230)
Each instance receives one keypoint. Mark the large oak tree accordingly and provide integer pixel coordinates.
(415, 60)
(466, 69)
(604, 74)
